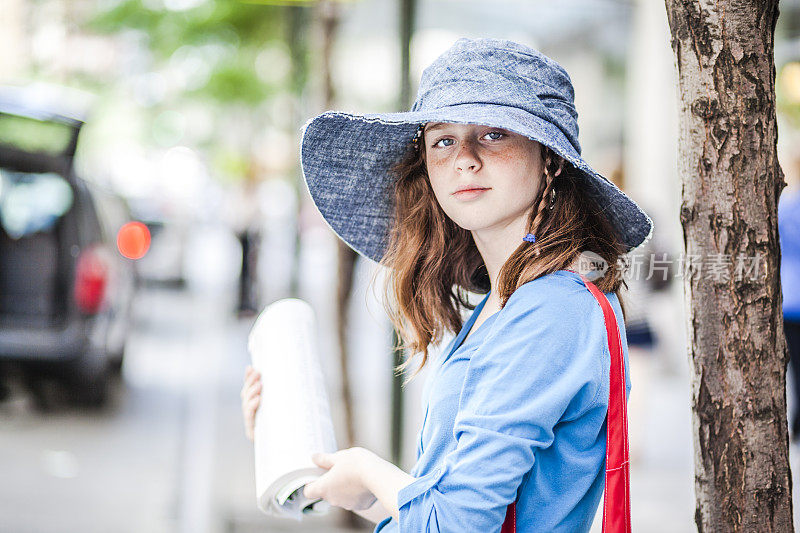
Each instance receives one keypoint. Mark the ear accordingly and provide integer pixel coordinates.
(560, 166)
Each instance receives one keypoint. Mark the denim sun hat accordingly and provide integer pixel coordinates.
(346, 158)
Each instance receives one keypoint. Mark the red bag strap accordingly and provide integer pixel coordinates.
(617, 502)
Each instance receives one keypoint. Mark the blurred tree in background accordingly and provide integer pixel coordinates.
(241, 67)
(229, 59)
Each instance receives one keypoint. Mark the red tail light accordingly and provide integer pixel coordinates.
(91, 278)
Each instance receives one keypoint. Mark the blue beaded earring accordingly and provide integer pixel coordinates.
(530, 237)
(417, 135)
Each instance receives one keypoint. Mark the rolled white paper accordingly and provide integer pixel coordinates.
(293, 419)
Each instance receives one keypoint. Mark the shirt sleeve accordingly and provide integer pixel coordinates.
(540, 363)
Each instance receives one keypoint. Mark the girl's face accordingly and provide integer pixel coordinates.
(483, 177)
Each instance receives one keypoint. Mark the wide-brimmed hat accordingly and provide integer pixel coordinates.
(346, 157)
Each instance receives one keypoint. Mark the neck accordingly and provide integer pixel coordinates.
(496, 245)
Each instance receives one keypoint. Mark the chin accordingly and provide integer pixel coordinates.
(472, 218)
(470, 225)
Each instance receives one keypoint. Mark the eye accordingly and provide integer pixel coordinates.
(440, 140)
(499, 135)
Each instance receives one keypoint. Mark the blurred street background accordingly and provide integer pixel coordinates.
(123, 347)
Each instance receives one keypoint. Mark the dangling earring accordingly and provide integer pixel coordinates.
(417, 135)
(552, 197)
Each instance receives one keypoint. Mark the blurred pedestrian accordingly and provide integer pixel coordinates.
(641, 341)
(481, 188)
(789, 229)
(244, 216)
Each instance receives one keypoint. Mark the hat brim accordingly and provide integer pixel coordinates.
(346, 158)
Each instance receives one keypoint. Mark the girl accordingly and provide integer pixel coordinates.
(481, 188)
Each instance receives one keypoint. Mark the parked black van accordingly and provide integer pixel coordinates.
(65, 292)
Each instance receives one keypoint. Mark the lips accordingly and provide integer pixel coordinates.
(469, 194)
(471, 188)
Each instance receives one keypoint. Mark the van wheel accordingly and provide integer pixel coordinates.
(115, 361)
(95, 392)
(88, 385)
(45, 391)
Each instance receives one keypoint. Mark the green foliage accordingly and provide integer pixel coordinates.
(230, 163)
(214, 46)
(787, 106)
(236, 82)
(228, 34)
(228, 21)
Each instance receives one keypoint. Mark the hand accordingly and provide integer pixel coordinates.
(251, 398)
(342, 485)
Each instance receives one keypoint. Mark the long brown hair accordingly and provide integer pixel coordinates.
(434, 263)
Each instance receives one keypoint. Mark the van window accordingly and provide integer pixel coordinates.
(37, 136)
(32, 202)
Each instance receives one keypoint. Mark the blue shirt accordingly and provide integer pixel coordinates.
(789, 230)
(516, 411)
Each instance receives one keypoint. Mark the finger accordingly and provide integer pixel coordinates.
(252, 378)
(254, 391)
(309, 491)
(249, 406)
(323, 460)
(248, 381)
(248, 400)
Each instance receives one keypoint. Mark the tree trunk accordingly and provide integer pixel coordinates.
(328, 16)
(346, 261)
(296, 38)
(408, 9)
(731, 265)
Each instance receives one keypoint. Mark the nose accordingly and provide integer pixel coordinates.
(466, 158)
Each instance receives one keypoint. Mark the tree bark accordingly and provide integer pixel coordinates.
(731, 263)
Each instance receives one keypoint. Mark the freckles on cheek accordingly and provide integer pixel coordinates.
(507, 155)
(434, 162)
(515, 160)
(434, 173)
